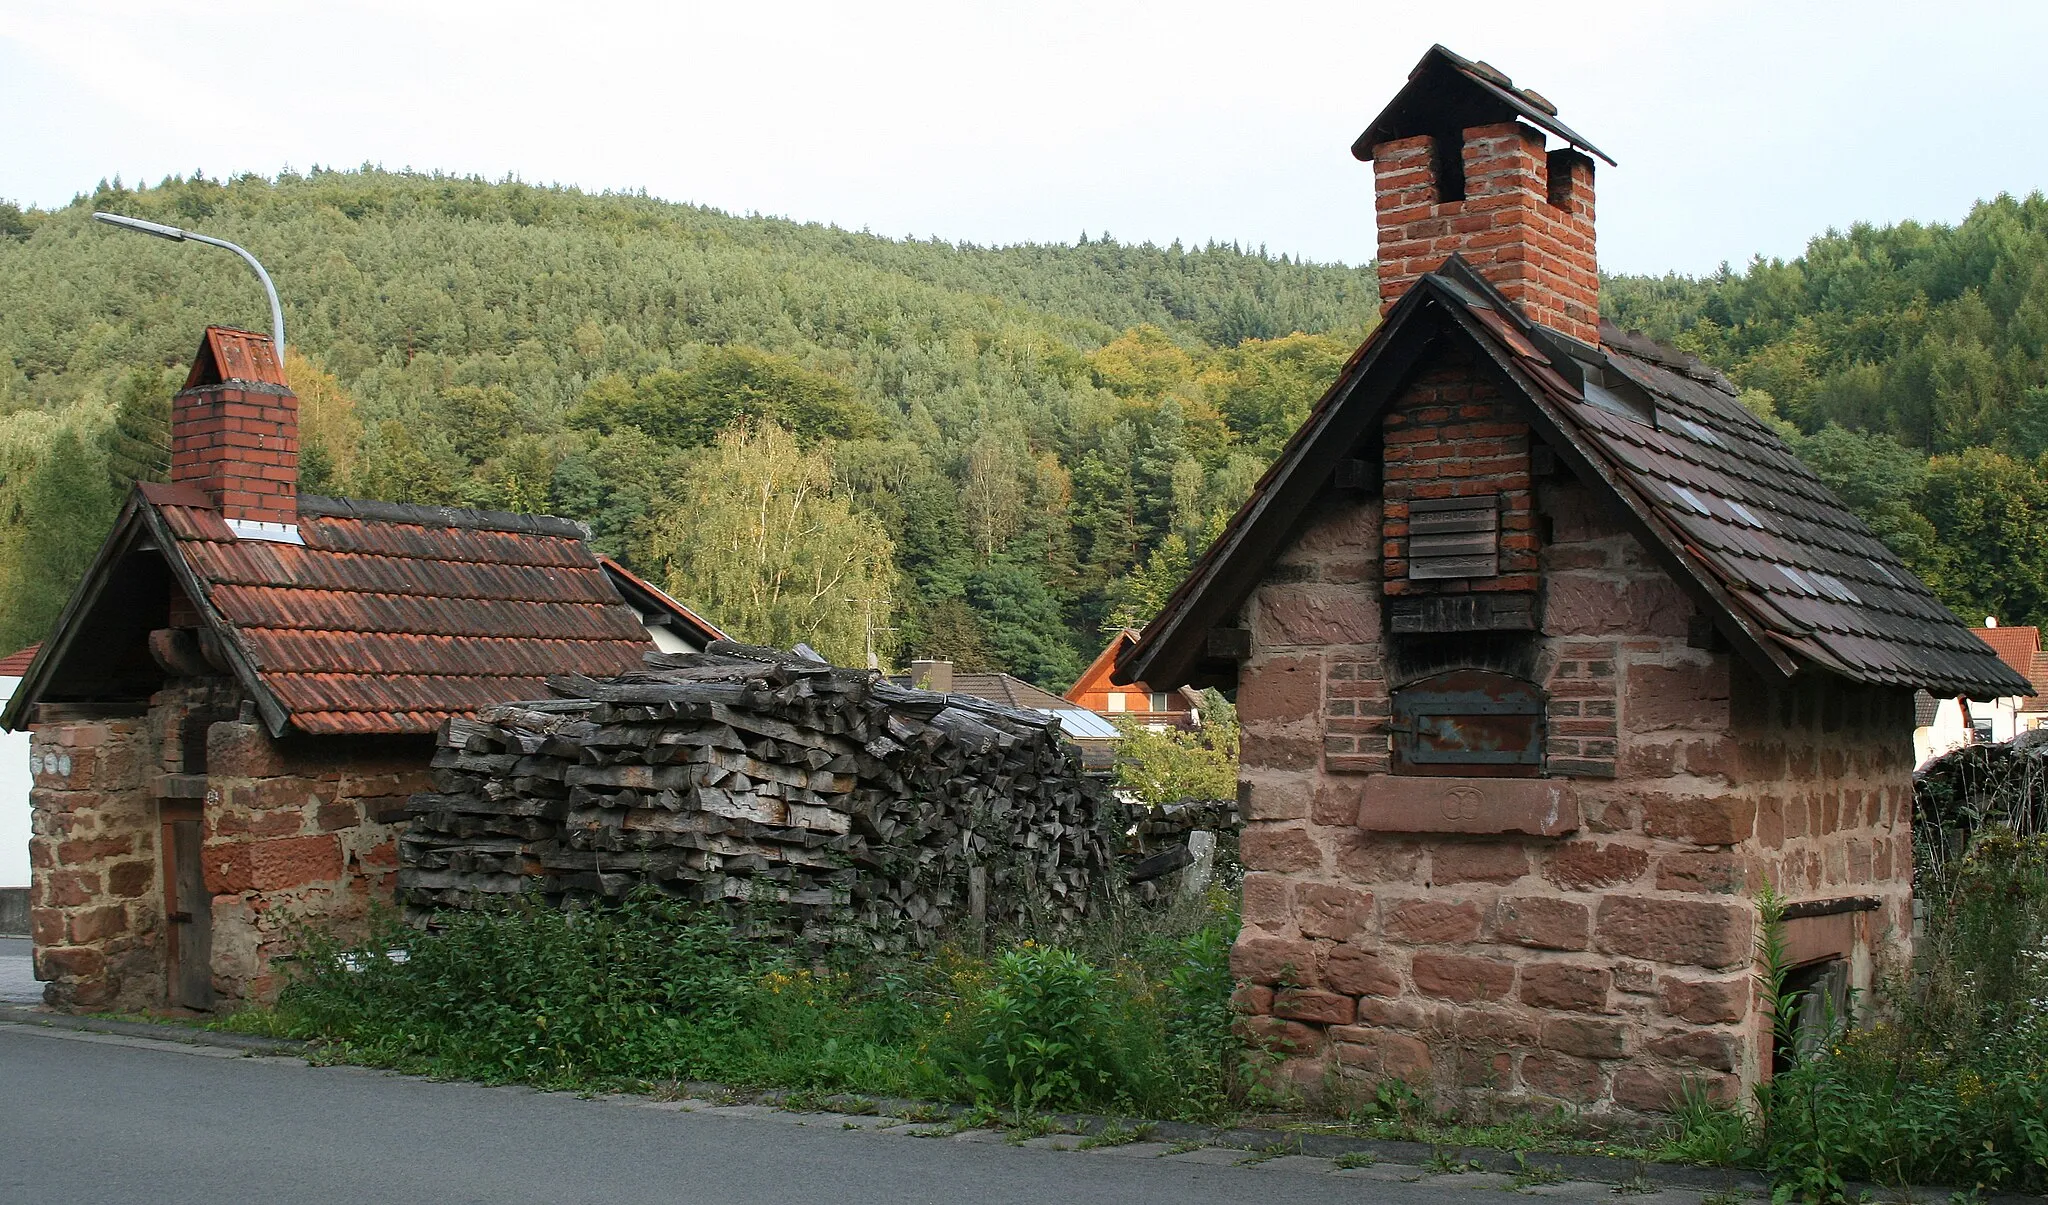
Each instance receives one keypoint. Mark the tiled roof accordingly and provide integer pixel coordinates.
(2038, 675)
(393, 618)
(15, 664)
(1764, 527)
(1009, 691)
(1794, 576)
(2016, 646)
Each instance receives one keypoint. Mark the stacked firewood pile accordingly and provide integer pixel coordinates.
(1162, 839)
(1978, 787)
(868, 812)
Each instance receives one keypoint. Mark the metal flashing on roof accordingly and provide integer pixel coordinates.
(256, 529)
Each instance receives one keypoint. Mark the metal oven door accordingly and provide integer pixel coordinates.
(1469, 722)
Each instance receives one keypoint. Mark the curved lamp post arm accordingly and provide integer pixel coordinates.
(178, 236)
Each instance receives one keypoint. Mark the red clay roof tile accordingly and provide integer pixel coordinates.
(391, 619)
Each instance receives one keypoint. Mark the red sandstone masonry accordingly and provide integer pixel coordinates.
(1605, 969)
(293, 830)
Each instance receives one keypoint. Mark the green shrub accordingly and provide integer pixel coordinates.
(1132, 1012)
(1949, 1087)
(1046, 1037)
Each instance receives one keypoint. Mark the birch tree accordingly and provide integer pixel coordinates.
(757, 539)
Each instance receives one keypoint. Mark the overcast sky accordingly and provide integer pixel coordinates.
(1739, 127)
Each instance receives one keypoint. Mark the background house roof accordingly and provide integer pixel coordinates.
(2016, 646)
(15, 664)
(1791, 574)
(1009, 691)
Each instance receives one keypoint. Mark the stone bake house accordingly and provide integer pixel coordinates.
(1550, 658)
(242, 693)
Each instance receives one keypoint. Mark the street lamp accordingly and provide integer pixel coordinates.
(178, 236)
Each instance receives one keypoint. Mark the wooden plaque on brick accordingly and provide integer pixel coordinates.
(1537, 807)
(1454, 537)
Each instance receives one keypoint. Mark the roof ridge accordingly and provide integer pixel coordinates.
(424, 515)
(1640, 346)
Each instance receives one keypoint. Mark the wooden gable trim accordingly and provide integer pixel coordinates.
(84, 599)
(1233, 566)
(139, 528)
(268, 707)
(1099, 672)
(1218, 586)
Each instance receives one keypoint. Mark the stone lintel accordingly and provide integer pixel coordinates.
(1401, 803)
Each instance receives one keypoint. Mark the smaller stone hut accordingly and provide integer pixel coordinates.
(241, 696)
(1550, 658)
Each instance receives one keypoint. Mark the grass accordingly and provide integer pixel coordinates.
(1949, 1086)
(1130, 1015)
(1532, 1175)
(1116, 1133)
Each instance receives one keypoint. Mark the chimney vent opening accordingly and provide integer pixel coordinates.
(1447, 165)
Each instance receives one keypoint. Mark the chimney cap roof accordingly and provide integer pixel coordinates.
(226, 354)
(1449, 91)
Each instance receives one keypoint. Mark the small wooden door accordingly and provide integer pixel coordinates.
(188, 907)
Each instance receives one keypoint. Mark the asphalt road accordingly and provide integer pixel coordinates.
(97, 1118)
(17, 977)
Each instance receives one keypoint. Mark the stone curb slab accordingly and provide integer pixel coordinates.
(146, 1029)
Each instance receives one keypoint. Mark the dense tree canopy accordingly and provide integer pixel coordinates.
(1043, 437)
(1020, 426)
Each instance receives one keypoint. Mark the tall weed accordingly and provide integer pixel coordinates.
(1949, 1087)
(1131, 1012)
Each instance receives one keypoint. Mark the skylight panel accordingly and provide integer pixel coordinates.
(1798, 580)
(1743, 513)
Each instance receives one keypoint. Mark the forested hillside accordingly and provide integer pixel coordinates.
(986, 440)
(911, 447)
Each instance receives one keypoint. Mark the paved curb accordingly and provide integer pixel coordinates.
(1600, 1169)
(186, 1034)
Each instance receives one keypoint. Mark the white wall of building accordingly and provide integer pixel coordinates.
(15, 780)
(1951, 730)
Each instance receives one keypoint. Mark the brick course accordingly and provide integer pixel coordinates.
(1526, 222)
(241, 446)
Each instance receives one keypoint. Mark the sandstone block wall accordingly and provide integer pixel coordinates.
(1600, 968)
(95, 898)
(298, 829)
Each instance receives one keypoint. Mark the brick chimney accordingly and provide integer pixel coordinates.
(235, 434)
(1461, 165)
